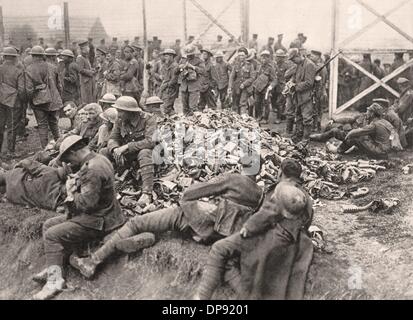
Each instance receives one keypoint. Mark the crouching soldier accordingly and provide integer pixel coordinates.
(373, 139)
(237, 198)
(272, 249)
(94, 211)
(132, 141)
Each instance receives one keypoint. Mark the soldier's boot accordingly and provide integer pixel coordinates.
(54, 285)
(87, 266)
(136, 243)
(147, 173)
(299, 132)
(41, 277)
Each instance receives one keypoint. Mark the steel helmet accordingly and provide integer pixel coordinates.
(108, 98)
(219, 54)
(110, 115)
(207, 51)
(190, 50)
(265, 53)
(169, 51)
(280, 53)
(127, 104)
(68, 144)
(10, 52)
(67, 53)
(37, 51)
(51, 52)
(153, 100)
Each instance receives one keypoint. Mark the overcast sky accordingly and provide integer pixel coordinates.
(268, 17)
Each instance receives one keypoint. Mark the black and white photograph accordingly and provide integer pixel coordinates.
(228, 151)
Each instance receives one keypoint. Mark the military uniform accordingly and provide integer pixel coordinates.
(89, 131)
(404, 107)
(87, 80)
(278, 99)
(209, 82)
(130, 81)
(279, 46)
(241, 74)
(319, 96)
(139, 138)
(155, 77)
(95, 212)
(223, 69)
(11, 101)
(44, 108)
(112, 79)
(301, 105)
(191, 85)
(71, 83)
(169, 88)
(266, 77)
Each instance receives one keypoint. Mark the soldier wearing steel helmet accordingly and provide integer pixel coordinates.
(191, 73)
(41, 90)
(169, 88)
(12, 93)
(71, 91)
(51, 60)
(224, 70)
(131, 143)
(94, 212)
(209, 82)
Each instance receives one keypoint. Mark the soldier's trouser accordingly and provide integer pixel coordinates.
(171, 219)
(45, 120)
(168, 106)
(146, 166)
(304, 119)
(21, 128)
(240, 102)
(190, 102)
(216, 267)
(10, 117)
(333, 133)
(207, 99)
(290, 113)
(61, 236)
(223, 96)
(318, 113)
(260, 104)
(365, 144)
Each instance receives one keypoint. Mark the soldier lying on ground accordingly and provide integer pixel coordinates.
(237, 198)
(94, 212)
(272, 252)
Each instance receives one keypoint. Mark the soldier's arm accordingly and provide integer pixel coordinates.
(365, 131)
(148, 142)
(21, 86)
(72, 74)
(273, 78)
(232, 78)
(200, 68)
(87, 199)
(114, 74)
(308, 82)
(174, 77)
(215, 77)
(130, 73)
(215, 186)
(115, 138)
(29, 83)
(405, 103)
(251, 79)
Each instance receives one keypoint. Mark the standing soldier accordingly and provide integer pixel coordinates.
(70, 78)
(218, 45)
(131, 141)
(209, 82)
(87, 75)
(12, 91)
(56, 88)
(302, 106)
(114, 45)
(177, 47)
(269, 47)
(112, 76)
(92, 52)
(101, 66)
(263, 85)
(130, 81)
(103, 45)
(253, 44)
(279, 44)
(319, 91)
(41, 91)
(223, 69)
(154, 68)
(191, 72)
(169, 89)
(138, 55)
(277, 98)
(240, 82)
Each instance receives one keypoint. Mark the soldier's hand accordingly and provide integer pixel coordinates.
(244, 233)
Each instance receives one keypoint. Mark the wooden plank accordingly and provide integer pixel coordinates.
(372, 76)
(386, 21)
(373, 51)
(221, 26)
(366, 92)
(245, 20)
(146, 52)
(333, 90)
(371, 25)
(2, 40)
(185, 21)
(66, 24)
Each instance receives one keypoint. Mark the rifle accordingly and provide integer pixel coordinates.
(327, 62)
